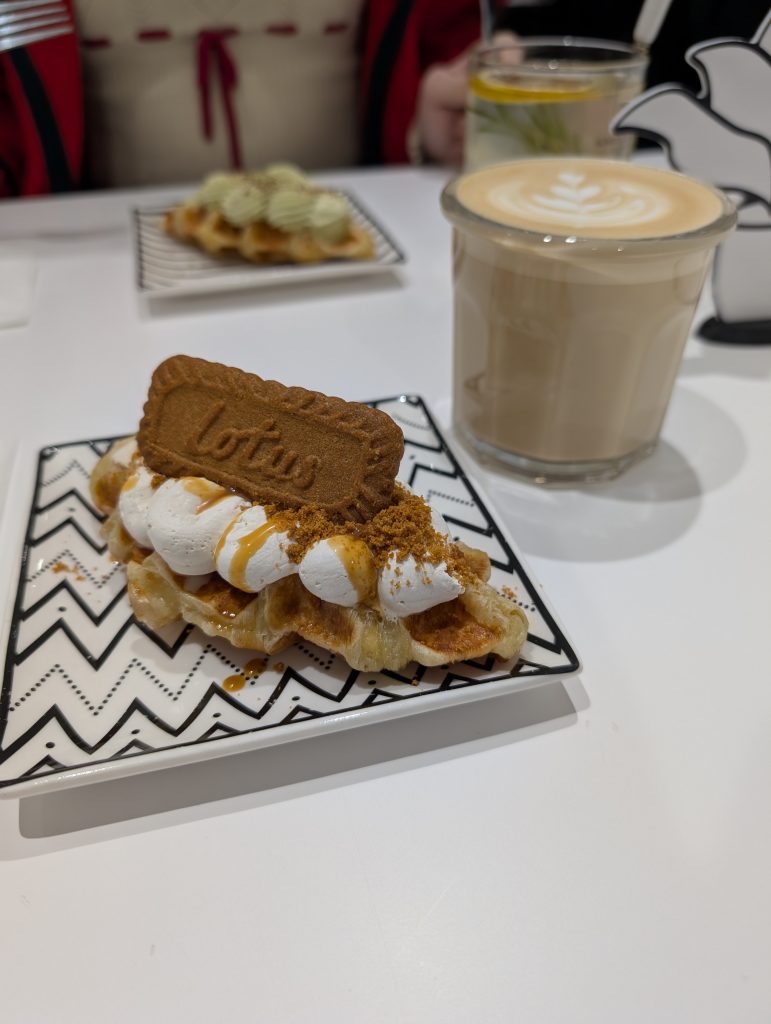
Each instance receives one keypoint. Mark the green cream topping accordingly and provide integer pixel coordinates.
(279, 194)
(289, 209)
(245, 203)
(286, 175)
(214, 189)
(329, 220)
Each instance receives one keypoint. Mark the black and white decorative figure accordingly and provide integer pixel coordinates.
(723, 136)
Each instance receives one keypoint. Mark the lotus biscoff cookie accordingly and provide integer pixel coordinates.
(265, 514)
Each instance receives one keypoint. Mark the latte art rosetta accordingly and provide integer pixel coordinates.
(573, 196)
(595, 198)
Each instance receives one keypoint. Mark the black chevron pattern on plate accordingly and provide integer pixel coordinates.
(85, 684)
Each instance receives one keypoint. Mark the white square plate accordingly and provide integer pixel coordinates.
(166, 266)
(89, 693)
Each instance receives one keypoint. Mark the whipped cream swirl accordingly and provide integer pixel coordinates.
(198, 527)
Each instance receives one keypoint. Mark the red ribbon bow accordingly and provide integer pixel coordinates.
(213, 53)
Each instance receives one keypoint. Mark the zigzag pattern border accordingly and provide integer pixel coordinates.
(376, 695)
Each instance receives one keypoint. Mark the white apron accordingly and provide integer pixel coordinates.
(162, 105)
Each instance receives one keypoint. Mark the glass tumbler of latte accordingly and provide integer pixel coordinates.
(575, 284)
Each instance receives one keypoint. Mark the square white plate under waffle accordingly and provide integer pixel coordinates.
(88, 693)
(166, 266)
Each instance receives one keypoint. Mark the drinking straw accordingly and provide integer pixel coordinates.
(649, 21)
(487, 17)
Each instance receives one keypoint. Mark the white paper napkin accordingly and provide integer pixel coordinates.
(17, 284)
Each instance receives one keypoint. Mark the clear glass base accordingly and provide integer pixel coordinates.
(540, 471)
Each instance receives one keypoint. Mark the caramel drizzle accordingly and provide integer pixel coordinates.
(233, 683)
(357, 562)
(252, 670)
(201, 488)
(246, 548)
(210, 502)
(255, 667)
(210, 493)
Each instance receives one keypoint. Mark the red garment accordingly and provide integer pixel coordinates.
(41, 117)
(41, 91)
(401, 39)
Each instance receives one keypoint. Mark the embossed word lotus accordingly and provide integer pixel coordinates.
(263, 439)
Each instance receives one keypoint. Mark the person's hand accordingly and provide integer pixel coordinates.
(441, 108)
(441, 111)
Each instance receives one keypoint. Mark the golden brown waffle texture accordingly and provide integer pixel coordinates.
(261, 243)
(477, 623)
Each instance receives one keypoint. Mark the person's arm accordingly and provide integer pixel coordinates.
(411, 50)
(41, 117)
(11, 151)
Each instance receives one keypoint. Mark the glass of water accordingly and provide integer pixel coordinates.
(550, 96)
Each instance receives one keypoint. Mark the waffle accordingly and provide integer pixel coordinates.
(259, 242)
(477, 623)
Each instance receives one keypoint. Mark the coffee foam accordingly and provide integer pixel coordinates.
(590, 198)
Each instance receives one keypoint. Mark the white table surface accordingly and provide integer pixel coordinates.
(594, 851)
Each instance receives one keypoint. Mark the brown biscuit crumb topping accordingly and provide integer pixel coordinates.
(401, 529)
